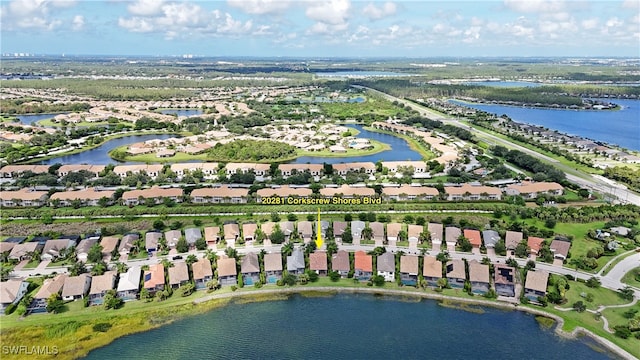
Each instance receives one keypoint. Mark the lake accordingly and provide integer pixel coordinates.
(349, 327)
(32, 118)
(182, 112)
(360, 74)
(100, 154)
(504, 83)
(621, 127)
(400, 150)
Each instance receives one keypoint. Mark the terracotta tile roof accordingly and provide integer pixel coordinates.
(473, 190)
(318, 261)
(354, 166)
(153, 192)
(284, 190)
(535, 244)
(178, 273)
(211, 233)
(414, 230)
(478, 272)
(410, 190)
(363, 261)
(347, 190)
(473, 236)
(109, 243)
(393, 229)
(535, 187)
(75, 285)
(23, 194)
(37, 169)
(102, 283)
(84, 194)
(537, 280)
(51, 286)
(455, 269)
(273, 262)
(409, 264)
(157, 276)
(432, 267)
(227, 267)
(286, 168)
(222, 192)
(268, 227)
(96, 169)
(512, 239)
(201, 269)
(9, 290)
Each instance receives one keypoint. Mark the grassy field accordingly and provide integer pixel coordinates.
(413, 143)
(632, 277)
(601, 296)
(50, 122)
(152, 158)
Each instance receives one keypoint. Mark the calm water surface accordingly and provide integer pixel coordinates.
(100, 155)
(31, 119)
(400, 150)
(349, 327)
(620, 127)
(182, 112)
(504, 83)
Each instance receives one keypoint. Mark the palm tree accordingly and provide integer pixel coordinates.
(367, 233)
(287, 249)
(99, 268)
(191, 259)
(121, 267)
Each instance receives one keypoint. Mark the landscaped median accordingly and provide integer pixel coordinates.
(77, 330)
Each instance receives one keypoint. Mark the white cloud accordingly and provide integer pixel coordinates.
(260, 7)
(321, 28)
(78, 23)
(590, 24)
(614, 22)
(535, 6)
(631, 4)
(182, 19)
(33, 14)
(375, 13)
(333, 12)
(146, 7)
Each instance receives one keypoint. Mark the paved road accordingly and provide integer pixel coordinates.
(574, 175)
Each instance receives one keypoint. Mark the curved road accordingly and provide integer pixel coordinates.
(574, 175)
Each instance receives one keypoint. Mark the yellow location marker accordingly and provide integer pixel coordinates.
(319, 235)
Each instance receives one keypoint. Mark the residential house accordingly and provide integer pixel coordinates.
(408, 192)
(154, 278)
(409, 270)
(340, 263)
(192, 235)
(156, 193)
(231, 233)
(222, 194)
(202, 273)
(100, 284)
(13, 171)
(305, 229)
(560, 249)
(172, 237)
(338, 229)
(318, 262)
(451, 235)
(82, 251)
(535, 245)
(417, 167)
(212, 236)
(356, 231)
(13, 290)
(377, 230)
(535, 285)
(250, 269)
(273, 267)
(386, 266)
(227, 272)
(76, 287)
(324, 225)
(504, 280)
(491, 238)
(435, 232)
(283, 191)
(364, 167)
(511, 241)
(455, 273)
(6, 247)
(531, 190)
(295, 262)
(152, 170)
(25, 251)
(49, 287)
(474, 238)
(431, 270)
(127, 242)
(249, 232)
(472, 192)
(413, 233)
(85, 197)
(347, 192)
(316, 170)
(65, 170)
(393, 231)
(151, 240)
(178, 274)
(363, 266)
(260, 170)
(287, 228)
(23, 197)
(52, 248)
(129, 283)
(109, 244)
(209, 170)
(479, 277)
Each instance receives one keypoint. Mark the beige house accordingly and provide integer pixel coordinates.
(87, 196)
(222, 194)
(23, 197)
(136, 197)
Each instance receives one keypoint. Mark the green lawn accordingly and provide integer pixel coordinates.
(32, 264)
(601, 296)
(632, 277)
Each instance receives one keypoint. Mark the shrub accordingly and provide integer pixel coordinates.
(10, 309)
(234, 288)
(622, 331)
(101, 327)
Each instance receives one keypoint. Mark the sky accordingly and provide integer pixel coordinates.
(322, 28)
